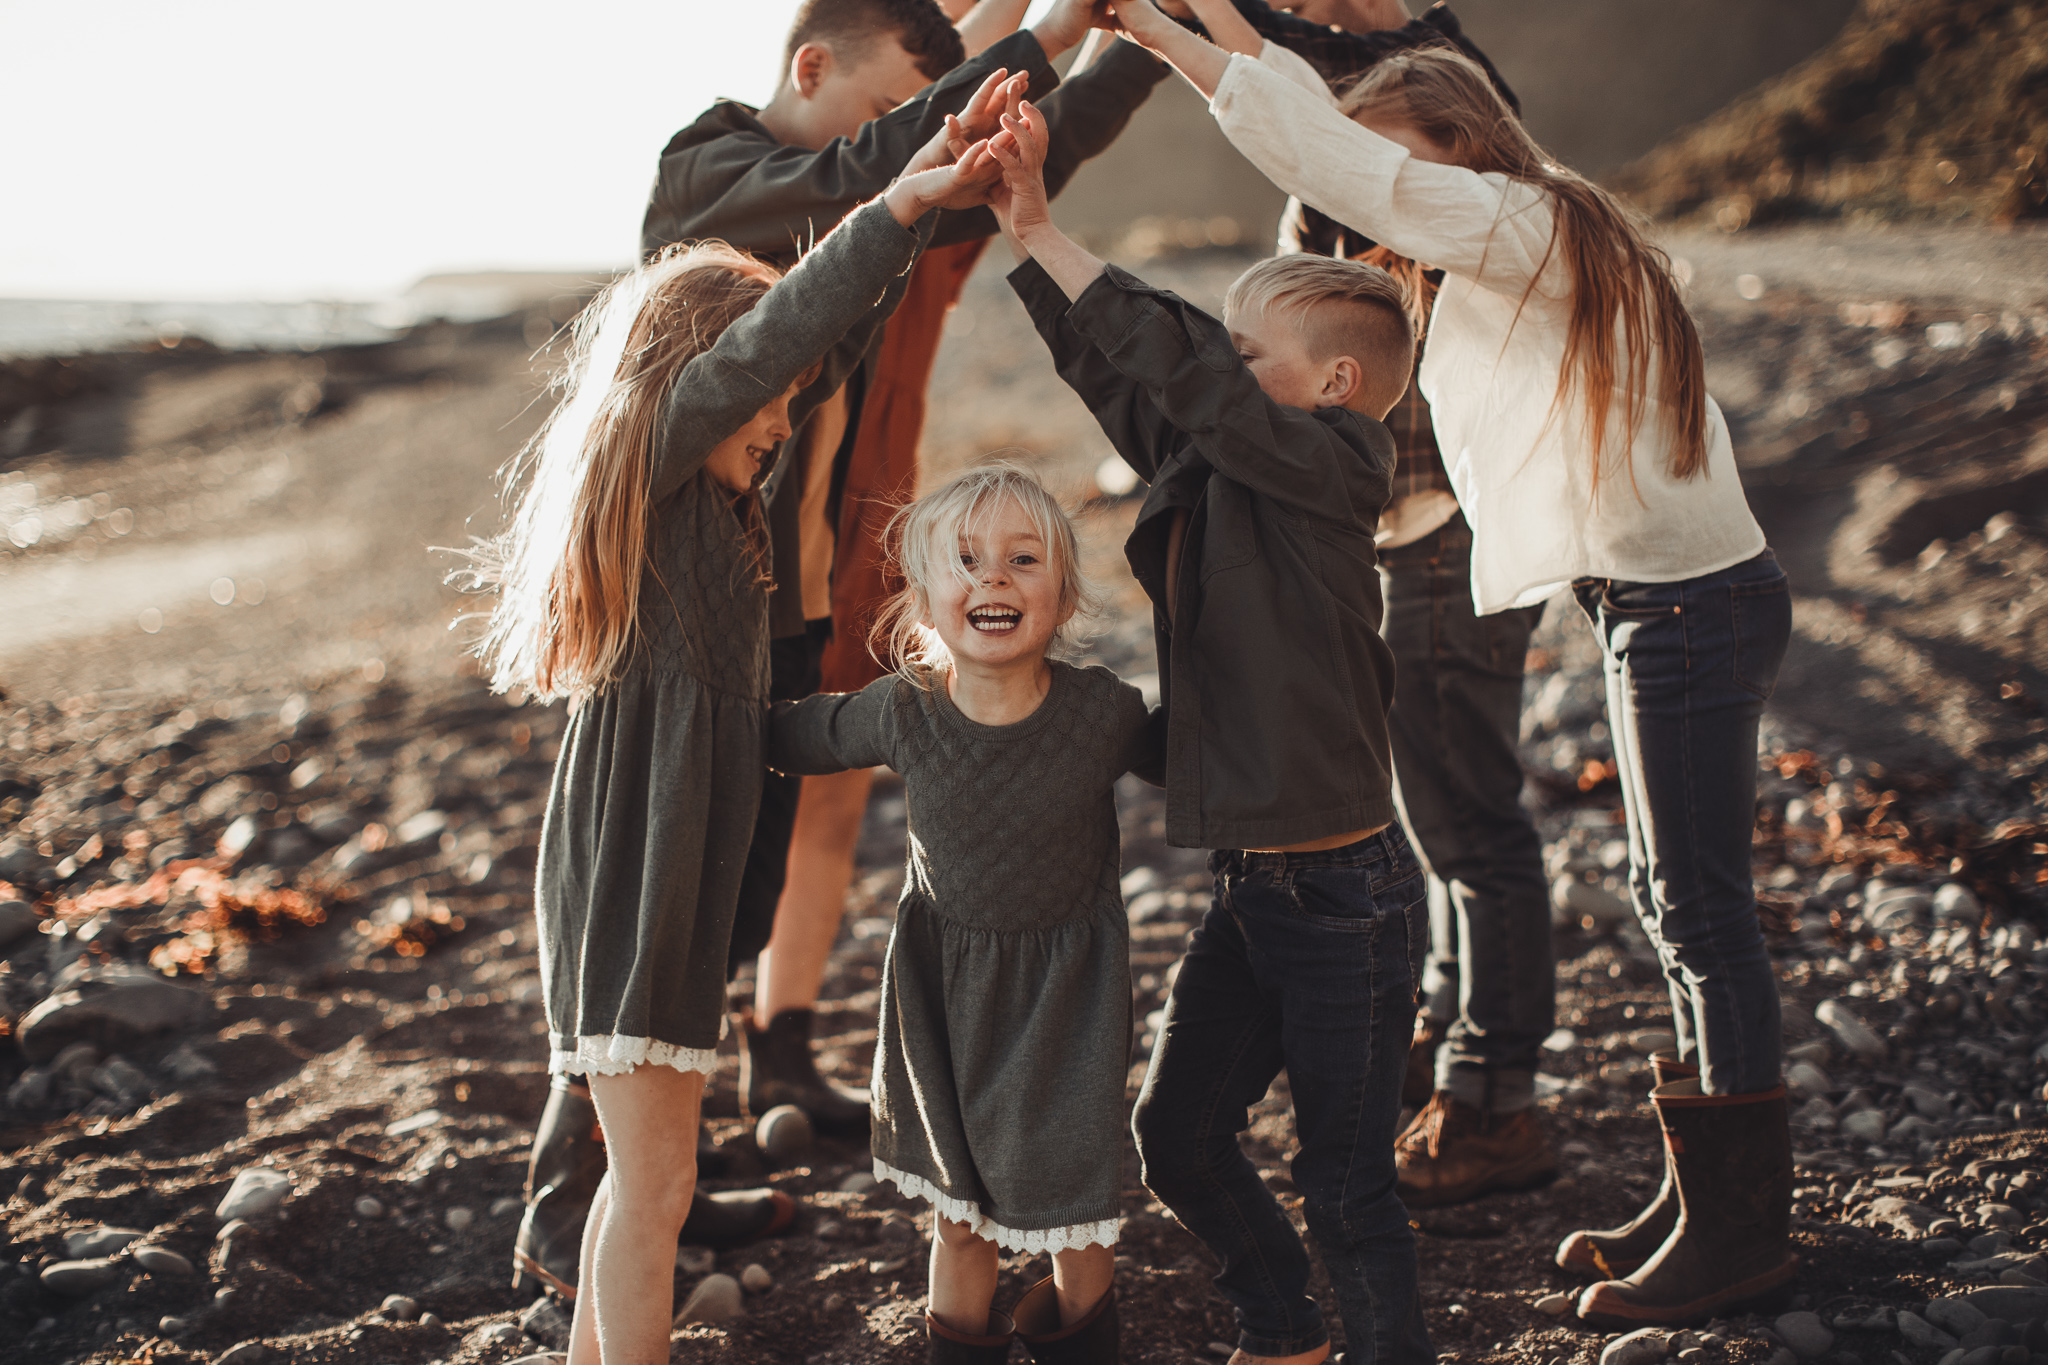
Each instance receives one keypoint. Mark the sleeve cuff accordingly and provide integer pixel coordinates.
(1042, 298)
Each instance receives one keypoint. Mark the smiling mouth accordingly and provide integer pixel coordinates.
(995, 620)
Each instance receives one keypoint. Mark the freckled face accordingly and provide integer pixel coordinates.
(1273, 350)
(1011, 609)
(735, 462)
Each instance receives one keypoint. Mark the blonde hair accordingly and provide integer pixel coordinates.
(924, 535)
(567, 570)
(1617, 273)
(1339, 307)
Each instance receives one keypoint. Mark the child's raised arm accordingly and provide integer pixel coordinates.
(834, 731)
(836, 297)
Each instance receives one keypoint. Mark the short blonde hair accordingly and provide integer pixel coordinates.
(1338, 307)
(937, 522)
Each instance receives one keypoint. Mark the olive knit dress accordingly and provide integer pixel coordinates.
(1005, 1028)
(652, 805)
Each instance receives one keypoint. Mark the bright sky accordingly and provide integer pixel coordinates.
(235, 149)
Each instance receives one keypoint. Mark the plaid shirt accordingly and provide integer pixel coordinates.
(1338, 55)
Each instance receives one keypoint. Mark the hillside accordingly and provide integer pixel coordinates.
(1937, 109)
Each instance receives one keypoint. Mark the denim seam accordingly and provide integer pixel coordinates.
(1208, 1121)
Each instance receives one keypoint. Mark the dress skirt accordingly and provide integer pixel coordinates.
(649, 818)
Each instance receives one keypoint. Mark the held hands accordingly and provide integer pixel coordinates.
(960, 184)
(1019, 200)
(1142, 20)
(981, 118)
(1068, 23)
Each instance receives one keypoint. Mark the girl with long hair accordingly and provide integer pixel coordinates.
(1570, 403)
(1005, 1026)
(633, 581)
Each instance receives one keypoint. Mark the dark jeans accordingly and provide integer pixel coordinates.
(1305, 962)
(1689, 666)
(1456, 720)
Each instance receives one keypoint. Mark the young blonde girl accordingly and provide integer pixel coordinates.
(633, 581)
(1570, 403)
(1006, 998)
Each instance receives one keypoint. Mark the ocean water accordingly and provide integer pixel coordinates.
(30, 327)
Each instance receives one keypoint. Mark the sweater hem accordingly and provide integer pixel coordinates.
(1032, 1241)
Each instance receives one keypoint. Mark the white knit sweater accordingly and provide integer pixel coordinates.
(1521, 465)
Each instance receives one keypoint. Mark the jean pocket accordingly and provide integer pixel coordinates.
(1351, 898)
(1640, 600)
(1761, 615)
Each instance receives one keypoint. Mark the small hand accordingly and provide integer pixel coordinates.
(1020, 205)
(964, 183)
(977, 119)
(1141, 19)
(1068, 23)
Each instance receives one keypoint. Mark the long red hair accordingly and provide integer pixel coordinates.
(1618, 276)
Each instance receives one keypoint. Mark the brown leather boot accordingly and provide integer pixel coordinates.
(944, 1346)
(776, 1067)
(1453, 1152)
(1420, 1082)
(1613, 1252)
(1091, 1341)
(1731, 1158)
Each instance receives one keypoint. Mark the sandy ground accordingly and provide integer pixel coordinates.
(228, 662)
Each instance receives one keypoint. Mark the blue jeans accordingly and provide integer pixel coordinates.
(1305, 962)
(1689, 666)
(1457, 715)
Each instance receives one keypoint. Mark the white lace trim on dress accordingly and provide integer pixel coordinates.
(610, 1054)
(1032, 1241)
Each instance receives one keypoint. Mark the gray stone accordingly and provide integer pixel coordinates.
(17, 921)
(755, 1279)
(1805, 1080)
(784, 1134)
(1954, 901)
(1928, 1104)
(1983, 1355)
(715, 1299)
(110, 1005)
(122, 1080)
(497, 1334)
(2013, 1275)
(1851, 1032)
(1782, 1355)
(1865, 1125)
(860, 1182)
(2010, 1305)
(367, 1207)
(1914, 1128)
(1955, 1316)
(257, 1191)
(542, 1358)
(1920, 1332)
(1805, 1333)
(399, 1307)
(99, 1241)
(1904, 1216)
(547, 1323)
(695, 1260)
(173, 1326)
(1644, 1346)
(1578, 900)
(244, 1353)
(78, 1278)
(1554, 1305)
(162, 1261)
(458, 1219)
(2000, 1215)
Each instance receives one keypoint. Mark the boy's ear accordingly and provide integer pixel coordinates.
(808, 67)
(1342, 380)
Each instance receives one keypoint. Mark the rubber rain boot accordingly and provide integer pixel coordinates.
(944, 1346)
(1091, 1341)
(1611, 1253)
(1731, 1158)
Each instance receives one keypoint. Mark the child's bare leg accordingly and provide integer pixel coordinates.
(963, 1282)
(627, 1296)
(828, 819)
(583, 1326)
(1080, 1278)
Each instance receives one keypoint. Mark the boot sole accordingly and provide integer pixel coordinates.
(1500, 1182)
(1612, 1311)
(525, 1267)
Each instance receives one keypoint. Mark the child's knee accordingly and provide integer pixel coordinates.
(957, 1237)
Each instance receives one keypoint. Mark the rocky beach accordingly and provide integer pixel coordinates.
(276, 1044)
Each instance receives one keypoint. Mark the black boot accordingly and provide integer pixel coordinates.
(944, 1346)
(1614, 1252)
(1731, 1158)
(1091, 1341)
(562, 1176)
(561, 1180)
(776, 1068)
